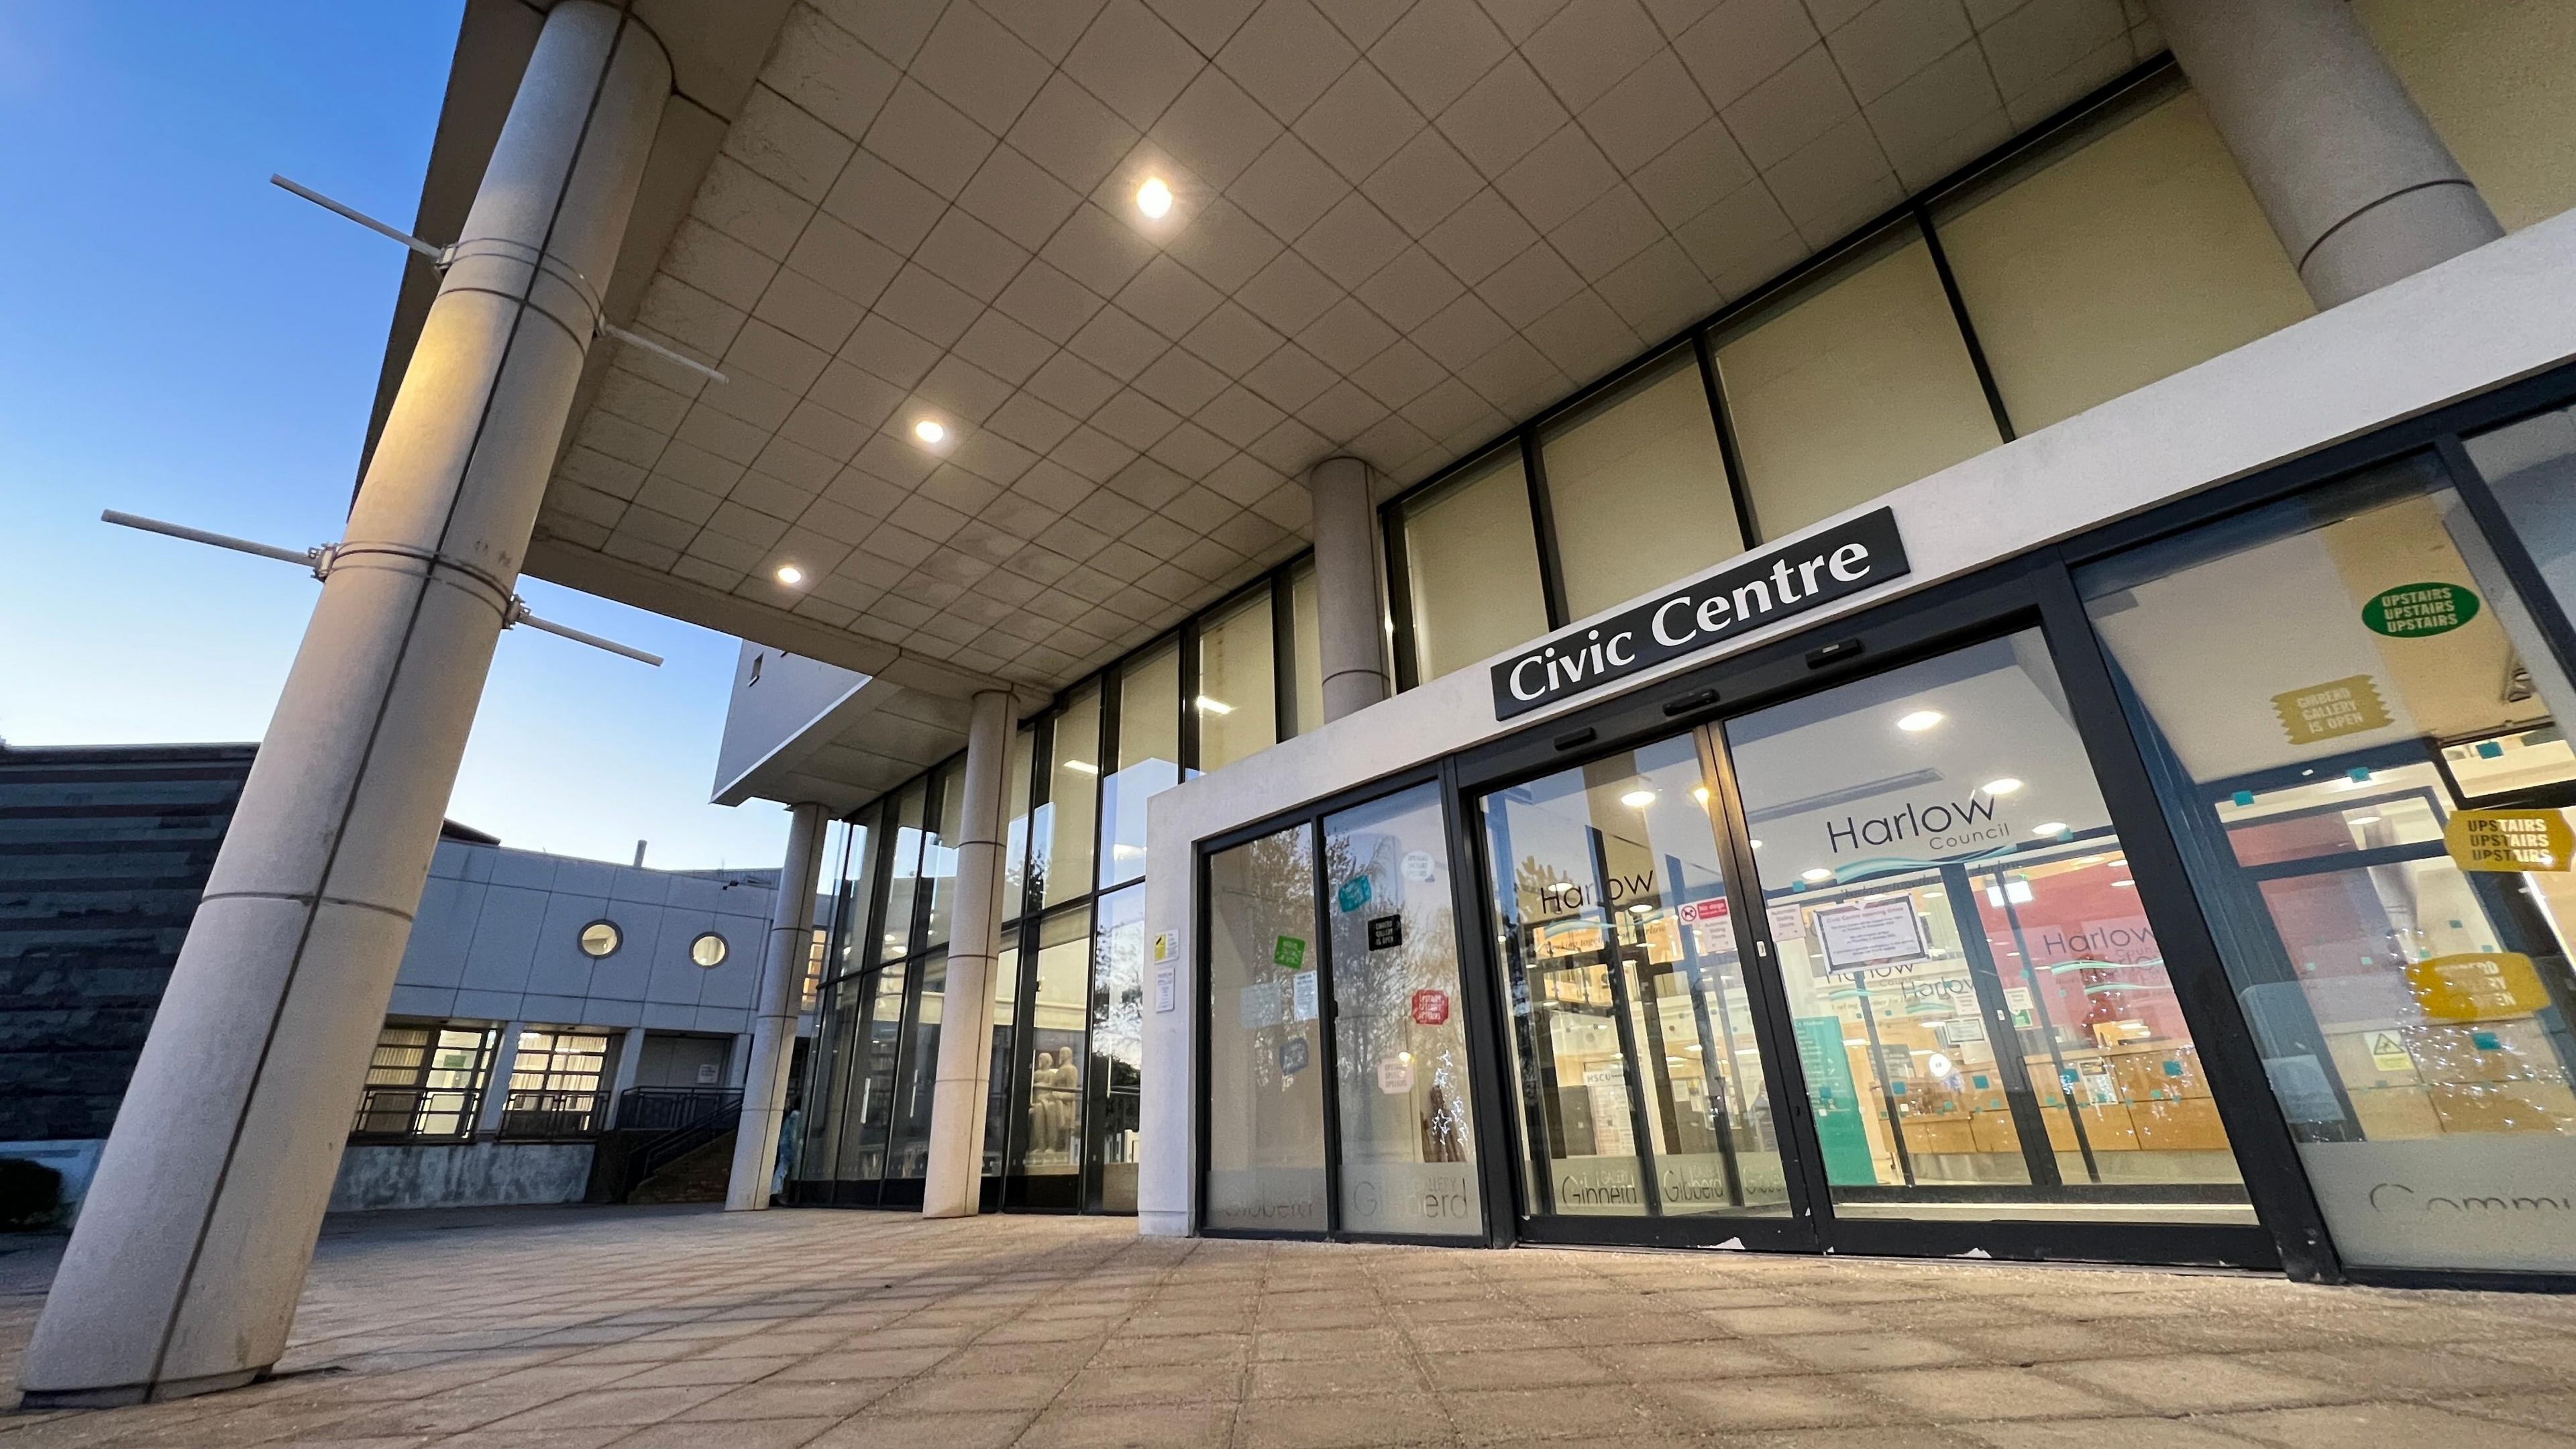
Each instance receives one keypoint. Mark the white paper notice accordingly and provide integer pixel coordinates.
(1305, 997)
(1859, 937)
(1166, 989)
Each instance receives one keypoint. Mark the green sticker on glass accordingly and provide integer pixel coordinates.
(1290, 952)
(2415, 611)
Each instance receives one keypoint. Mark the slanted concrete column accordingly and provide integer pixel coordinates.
(183, 1273)
(630, 1060)
(1346, 590)
(954, 1178)
(773, 1032)
(2357, 186)
(496, 1088)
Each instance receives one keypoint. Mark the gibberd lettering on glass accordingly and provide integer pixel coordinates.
(1764, 589)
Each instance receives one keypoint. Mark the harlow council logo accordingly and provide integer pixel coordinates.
(1765, 589)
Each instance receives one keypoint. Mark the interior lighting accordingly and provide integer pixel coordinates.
(1083, 766)
(790, 574)
(1213, 706)
(931, 431)
(1818, 873)
(1757, 845)
(1638, 799)
(2361, 819)
(1639, 909)
(2004, 786)
(1920, 720)
(1700, 793)
(2049, 827)
(1154, 198)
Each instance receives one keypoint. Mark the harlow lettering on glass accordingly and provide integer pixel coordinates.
(1816, 570)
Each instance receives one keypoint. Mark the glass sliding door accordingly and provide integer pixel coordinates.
(2354, 726)
(1264, 1066)
(1407, 1148)
(1981, 1009)
(1636, 1048)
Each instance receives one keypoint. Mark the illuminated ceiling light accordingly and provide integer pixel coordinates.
(2361, 820)
(1154, 198)
(931, 431)
(1639, 909)
(2049, 827)
(1818, 873)
(790, 574)
(1084, 766)
(1213, 706)
(2004, 786)
(1757, 845)
(1638, 799)
(1700, 793)
(1920, 720)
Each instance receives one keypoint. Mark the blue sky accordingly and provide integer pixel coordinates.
(178, 338)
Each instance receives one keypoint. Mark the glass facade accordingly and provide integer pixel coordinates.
(1068, 1007)
(2409, 995)
(1471, 567)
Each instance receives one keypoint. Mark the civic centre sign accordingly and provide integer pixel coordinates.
(1764, 589)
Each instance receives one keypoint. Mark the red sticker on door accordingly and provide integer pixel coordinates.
(1431, 1008)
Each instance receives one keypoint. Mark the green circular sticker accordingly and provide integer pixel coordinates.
(2415, 611)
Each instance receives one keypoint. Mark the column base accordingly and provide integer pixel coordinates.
(121, 1395)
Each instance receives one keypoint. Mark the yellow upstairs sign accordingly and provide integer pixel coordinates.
(2509, 840)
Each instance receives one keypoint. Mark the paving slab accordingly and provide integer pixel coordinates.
(593, 1328)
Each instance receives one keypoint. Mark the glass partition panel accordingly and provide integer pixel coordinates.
(853, 944)
(1149, 760)
(1637, 487)
(1064, 827)
(870, 1094)
(2530, 467)
(997, 1092)
(903, 871)
(1306, 636)
(1980, 1004)
(1408, 1162)
(1471, 559)
(1117, 1045)
(939, 851)
(2114, 258)
(1015, 835)
(1059, 1007)
(829, 1085)
(1265, 1068)
(1855, 383)
(919, 1080)
(2324, 687)
(1634, 1041)
(1238, 698)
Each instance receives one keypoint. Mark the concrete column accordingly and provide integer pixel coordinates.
(763, 1069)
(2357, 186)
(1347, 611)
(955, 1175)
(183, 1273)
(630, 1060)
(496, 1089)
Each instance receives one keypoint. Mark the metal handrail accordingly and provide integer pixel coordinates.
(395, 1114)
(527, 1115)
(664, 1108)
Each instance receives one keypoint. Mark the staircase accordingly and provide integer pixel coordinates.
(699, 1175)
(669, 1145)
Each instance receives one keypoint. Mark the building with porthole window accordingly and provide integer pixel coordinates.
(1909, 628)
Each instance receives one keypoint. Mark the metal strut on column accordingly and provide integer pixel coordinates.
(320, 559)
(440, 257)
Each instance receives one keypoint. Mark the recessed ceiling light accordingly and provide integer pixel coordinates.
(2049, 827)
(1819, 873)
(790, 574)
(1700, 793)
(1154, 198)
(1082, 766)
(1214, 706)
(1757, 845)
(1638, 799)
(1920, 720)
(930, 430)
(2004, 786)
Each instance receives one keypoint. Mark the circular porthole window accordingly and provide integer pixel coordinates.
(601, 938)
(708, 950)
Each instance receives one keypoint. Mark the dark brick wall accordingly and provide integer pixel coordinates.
(103, 854)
